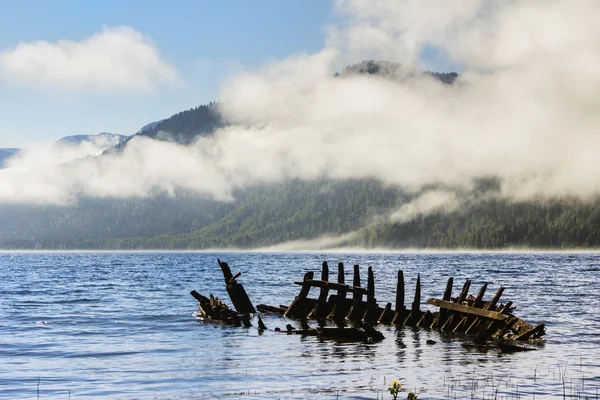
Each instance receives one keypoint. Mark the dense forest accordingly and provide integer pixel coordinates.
(266, 215)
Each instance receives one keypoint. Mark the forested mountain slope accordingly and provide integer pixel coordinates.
(266, 215)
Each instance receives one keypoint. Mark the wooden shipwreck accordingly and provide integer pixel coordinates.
(345, 311)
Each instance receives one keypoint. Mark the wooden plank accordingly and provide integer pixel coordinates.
(467, 310)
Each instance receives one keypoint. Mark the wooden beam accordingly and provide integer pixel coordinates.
(467, 310)
(333, 286)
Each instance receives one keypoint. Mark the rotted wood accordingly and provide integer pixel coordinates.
(539, 330)
(443, 316)
(340, 302)
(263, 308)
(212, 308)
(465, 292)
(300, 301)
(472, 323)
(239, 298)
(400, 309)
(372, 313)
(320, 310)
(386, 315)
(479, 299)
(490, 306)
(495, 299)
(358, 307)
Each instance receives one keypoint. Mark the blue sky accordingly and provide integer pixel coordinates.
(200, 41)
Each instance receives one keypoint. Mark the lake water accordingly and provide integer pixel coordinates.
(120, 325)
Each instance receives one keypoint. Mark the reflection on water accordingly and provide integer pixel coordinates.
(120, 325)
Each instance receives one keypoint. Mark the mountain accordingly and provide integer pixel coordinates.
(394, 71)
(104, 139)
(149, 126)
(7, 153)
(357, 212)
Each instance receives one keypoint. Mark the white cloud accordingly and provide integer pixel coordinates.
(524, 111)
(116, 59)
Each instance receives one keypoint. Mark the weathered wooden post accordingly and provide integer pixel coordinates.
(464, 293)
(320, 311)
(462, 320)
(495, 299)
(479, 299)
(443, 315)
(478, 303)
(357, 295)
(400, 309)
(415, 312)
(371, 313)
(237, 293)
(339, 309)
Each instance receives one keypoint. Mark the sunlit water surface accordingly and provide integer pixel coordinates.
(120, 325)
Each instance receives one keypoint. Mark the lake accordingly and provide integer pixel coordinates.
(121, 325)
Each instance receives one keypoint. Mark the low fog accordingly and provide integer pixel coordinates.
(524, 109)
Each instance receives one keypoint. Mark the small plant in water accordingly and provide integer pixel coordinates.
(394, 389)
(412, 396)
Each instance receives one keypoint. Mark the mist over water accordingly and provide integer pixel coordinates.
(120, 325)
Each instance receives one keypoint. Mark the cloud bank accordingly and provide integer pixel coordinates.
(116, 59)
(525, 110)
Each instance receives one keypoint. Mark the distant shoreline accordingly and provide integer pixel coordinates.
(329, 251)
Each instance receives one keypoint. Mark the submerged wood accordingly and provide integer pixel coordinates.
(487, 321)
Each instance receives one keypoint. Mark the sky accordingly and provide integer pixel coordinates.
(184, 52)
